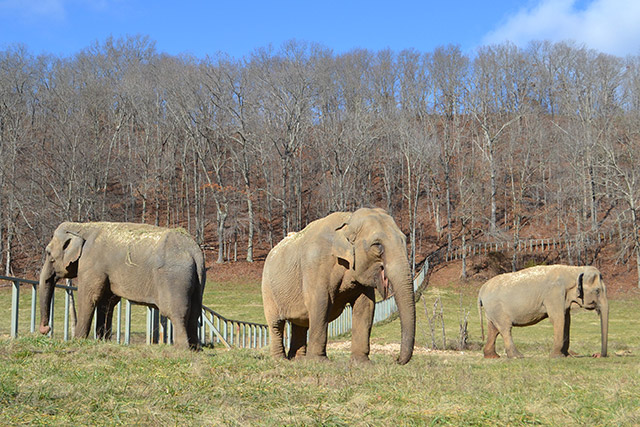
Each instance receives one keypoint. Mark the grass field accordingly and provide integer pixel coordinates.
(95, 383)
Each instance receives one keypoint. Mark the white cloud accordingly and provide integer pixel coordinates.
(611, 26)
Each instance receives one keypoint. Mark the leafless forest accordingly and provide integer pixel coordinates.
(503, 144)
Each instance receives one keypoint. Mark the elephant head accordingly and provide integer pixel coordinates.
(591, 294)
(374, 249)
(61, 261)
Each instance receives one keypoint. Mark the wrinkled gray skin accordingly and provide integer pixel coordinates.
(153, 266)
(526, 297)
(310, 276)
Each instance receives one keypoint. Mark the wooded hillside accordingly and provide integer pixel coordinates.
(499, 145)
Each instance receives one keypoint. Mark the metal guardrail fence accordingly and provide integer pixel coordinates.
(528, 245)
(214, 328)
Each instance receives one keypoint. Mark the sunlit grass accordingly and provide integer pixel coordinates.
(44, 381)
(238, 301)
(89, 383)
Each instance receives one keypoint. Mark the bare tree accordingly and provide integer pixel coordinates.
(284, 81)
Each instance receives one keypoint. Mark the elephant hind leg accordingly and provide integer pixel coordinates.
(509, 345)
(193, 321)
(276, 333)
(180, 332)
(104, 315)
(490, 346)
(298, 346)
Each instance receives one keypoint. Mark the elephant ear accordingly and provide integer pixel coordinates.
(343, 248)
(71, 248)
(580, 287)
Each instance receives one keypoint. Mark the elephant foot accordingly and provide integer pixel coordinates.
(278, 355)
(317, 357)
(299, 354)
(556, 354)
(360, 359)
(490, 353)
(44, 329)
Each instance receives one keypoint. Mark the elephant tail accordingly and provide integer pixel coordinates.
(201, 271)
(480, 316)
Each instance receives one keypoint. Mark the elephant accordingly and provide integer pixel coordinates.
(310, 276)
(527, 296)
(153, 266)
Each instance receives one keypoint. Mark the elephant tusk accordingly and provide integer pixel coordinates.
(385, 284)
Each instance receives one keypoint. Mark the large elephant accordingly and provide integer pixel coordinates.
(154, 266)
(310, 276)
(526, 297)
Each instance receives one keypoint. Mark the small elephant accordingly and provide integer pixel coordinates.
(526, 297)
(154, 266)
(310, 276)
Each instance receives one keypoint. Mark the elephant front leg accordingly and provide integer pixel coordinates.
(91, 289)
(363, 309)
(85, 316)
(318, 325)
(560, 333)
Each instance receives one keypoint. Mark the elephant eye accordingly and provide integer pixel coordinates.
(377, 247)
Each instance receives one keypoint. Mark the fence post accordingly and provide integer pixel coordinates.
(95, 323)
(153, 325)
(15, 309)
(118, 323)
(127, 321)
(51, 309)
(34, 298)
(66, 314)
(202, 329)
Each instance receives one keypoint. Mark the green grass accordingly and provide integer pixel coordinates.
(47, 382)
(237, 301)
(89, 383)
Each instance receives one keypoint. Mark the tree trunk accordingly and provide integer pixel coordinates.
(285, 190)
(251, 226)
(222, 217)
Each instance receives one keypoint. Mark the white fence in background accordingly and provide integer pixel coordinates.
(214, 328)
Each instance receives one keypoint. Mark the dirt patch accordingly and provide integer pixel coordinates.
(394, 348)
(241, 271)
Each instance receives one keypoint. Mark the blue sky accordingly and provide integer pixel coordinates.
(197, 27)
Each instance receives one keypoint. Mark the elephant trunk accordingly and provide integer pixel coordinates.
(604, 325)
(400, 277)
(46, 287)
